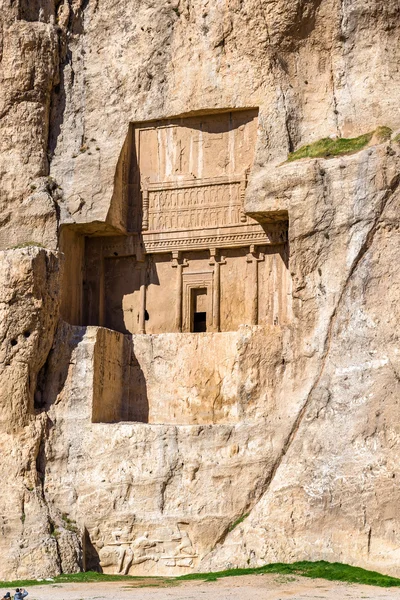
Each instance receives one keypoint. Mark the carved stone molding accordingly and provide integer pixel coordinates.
(218, 237)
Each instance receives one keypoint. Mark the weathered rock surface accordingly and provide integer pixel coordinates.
(29, 292)
(334, 492)
(315, 464)
(169, 484)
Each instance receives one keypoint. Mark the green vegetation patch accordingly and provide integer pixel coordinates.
(69, 523)
(314, 570)
(86, 577)
(327, 147)
(237, 522)
(383, 134)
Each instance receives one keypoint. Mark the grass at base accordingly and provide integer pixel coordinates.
(314, 570)
(86, 577)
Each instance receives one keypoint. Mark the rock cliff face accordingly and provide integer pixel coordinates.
(303, 441)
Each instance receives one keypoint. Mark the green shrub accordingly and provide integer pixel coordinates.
(328, 147)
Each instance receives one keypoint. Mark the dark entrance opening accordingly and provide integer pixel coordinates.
(198, 316)
(199, 322)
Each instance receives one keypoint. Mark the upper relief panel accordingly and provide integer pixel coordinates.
(196, 147)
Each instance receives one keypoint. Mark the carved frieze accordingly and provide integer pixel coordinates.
(193, 204)
(235, 236)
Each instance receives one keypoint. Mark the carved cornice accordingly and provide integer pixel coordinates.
(238, 237)
(192, 183)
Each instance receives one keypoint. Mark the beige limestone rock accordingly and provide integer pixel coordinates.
(177, 483)
(29, 292)
(314, 69)
(314, 461)
(205, 378)
(28, 71)
(334, 493)
(29, 313)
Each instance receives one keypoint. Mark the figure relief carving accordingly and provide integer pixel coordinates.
(192, 204)
(145, 199)
(173, 547)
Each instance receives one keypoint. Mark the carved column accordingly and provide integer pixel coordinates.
(242, 194)
(102, 293)
(252, 258)
(142, 301)
(216, 298)
(254, 288)
(216, 262)
(179, 298)
(145, 195)
(179, 266)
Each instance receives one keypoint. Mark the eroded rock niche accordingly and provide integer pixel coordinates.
(189, 261)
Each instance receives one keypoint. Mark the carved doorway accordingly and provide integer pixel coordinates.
(198, 317)
(197, 302)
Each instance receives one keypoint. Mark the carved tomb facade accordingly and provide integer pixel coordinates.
(192, 260)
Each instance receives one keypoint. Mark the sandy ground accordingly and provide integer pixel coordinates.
(251, 587)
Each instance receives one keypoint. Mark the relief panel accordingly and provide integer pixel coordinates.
(196, 147)
(120, 551)
(193, 204)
